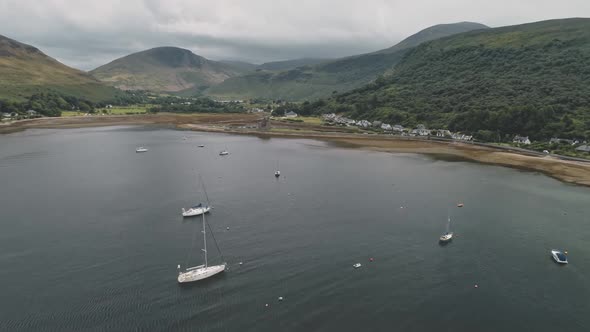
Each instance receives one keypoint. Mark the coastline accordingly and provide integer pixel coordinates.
(574, 172)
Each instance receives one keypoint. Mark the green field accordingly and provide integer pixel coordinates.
(122, 110)
(314, 120)
(118, 110)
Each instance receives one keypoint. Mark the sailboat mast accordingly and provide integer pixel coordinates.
(205, 239)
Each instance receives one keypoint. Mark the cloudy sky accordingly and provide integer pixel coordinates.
(85, 34)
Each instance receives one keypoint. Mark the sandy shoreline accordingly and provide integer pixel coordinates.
(564, 170)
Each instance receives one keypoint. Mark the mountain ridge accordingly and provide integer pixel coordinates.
(325, 78)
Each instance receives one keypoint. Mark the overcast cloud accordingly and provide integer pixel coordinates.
(85, 34)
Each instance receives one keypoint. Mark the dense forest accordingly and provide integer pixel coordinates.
(532, 79)
(47, 104)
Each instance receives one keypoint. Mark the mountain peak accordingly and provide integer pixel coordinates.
(165, 69)
(173, 57)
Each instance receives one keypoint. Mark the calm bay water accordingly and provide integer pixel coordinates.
(91, 233)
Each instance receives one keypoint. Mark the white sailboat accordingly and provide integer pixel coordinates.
(196, 210)
(223, 153)
(200, 272)
(277, 172)
(448, 236)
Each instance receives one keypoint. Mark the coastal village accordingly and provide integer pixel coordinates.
(421, 130)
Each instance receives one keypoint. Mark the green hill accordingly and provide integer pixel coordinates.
(531, 79)
(25, 71)
(166, 69)
(315, 81)
(290, 64)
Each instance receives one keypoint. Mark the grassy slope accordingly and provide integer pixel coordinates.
(24, 70)
(291, 64)
(321, 80)
(518, 79)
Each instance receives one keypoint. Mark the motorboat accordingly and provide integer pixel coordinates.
(559, 256)
(223, 153)
(196, 210)
(141, 149)
(201, 145)
(357, 265)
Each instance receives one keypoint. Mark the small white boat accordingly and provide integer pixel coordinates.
(141, 149)
(223, 153)
(559, 256)
(199, 272)
(448, 235)
(357, 265)
(196, 210)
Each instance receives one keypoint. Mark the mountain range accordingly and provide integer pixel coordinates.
(172, 70)
(322, 79)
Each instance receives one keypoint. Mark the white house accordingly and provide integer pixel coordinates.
(386, 126)
(291, 114)
(363, 124)
(521, 140)
(443, 133)
(329, 117)
(420, 132)
(397, 128)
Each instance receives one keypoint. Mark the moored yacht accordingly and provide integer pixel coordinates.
(196, 210)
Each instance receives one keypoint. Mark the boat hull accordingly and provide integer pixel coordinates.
(193, 212)
(556, 258)
(192, 275)
(446, 238)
